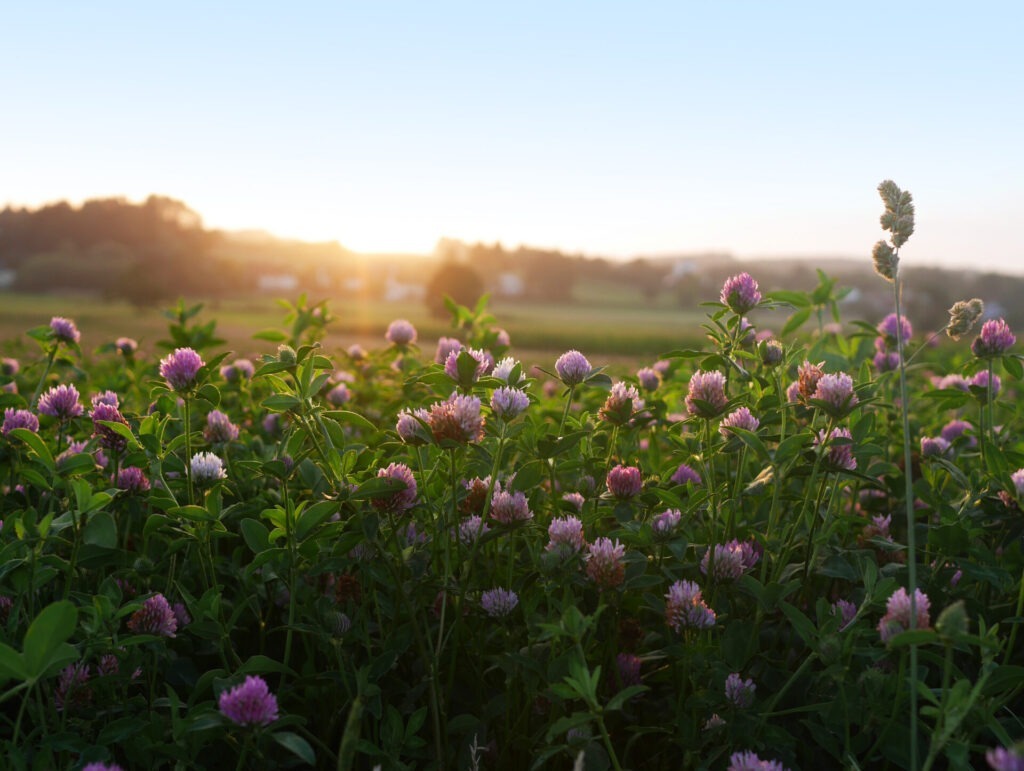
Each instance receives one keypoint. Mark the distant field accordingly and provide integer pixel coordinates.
(606, 329)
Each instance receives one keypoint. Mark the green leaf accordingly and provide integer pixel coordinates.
(209, 393)
(352, 418)
(281, 403)
(619, 699)
(795, 321)
(803, 625)
(915, 637)
(36, 444)
(12, 664)
(1013, 366)
(271, 336)
(50, 629)
(123, 431)
(313, 517)
(101, 531)
(296, 745)
(255, 534)
(193, 513)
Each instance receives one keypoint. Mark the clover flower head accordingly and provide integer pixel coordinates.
(503, 370)
(750, 761)
(64, 330)
(898, 615)
(664, 524)
(892, 325)
(509, 507)
(106, 397)
(498, 602)
(624, 482)
(995, 339)
(740, 293)
(339, 395)
(732, 560)
(839, 455)
(934, 446)
(572, 367)
(605, 563)
(483, 364)
(238, 370)
(1017, 478)
(845, 610)
(154, 617)
(740, 418)
(458, 418)
(181, 368)
(126, 346)
(772, 352)
(685, 607)
(706, 395)
(409, 428)
(60, 402)
(249, 704)
(445, 347)
(955, 429)
(72, 691)
(808, 376)
(1003, 759)
(108, 437)
(131, 479)
(471, 528)
(14, 418)
(837, 392)
(963, 316)
(649, 378)
(401, 500)
(739, 692)
(980, 380)
(400, 332)
(685, 474)
(207, 468)
(508, 402)
(565, 536)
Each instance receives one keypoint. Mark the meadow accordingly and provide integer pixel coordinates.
(371, 539)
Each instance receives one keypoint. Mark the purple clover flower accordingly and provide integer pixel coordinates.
(739, 692)
(219, 428)
(572, 368)
(1002, 759)
(72, 691)
(9, 367)
(839, 455)
(575, 498)
(499, 602)
(732, 560)
(154, 617)
(605, 563)
(933, 446)
(508, 507)
(649, 378)
(508, 403)
(457, 418)
(886, 361)
(955, 429)
(995, 339)
(897, 613)
(339, 395)
(622, 402)
(401, 500)
(180, 369)
(106, 397)
(664, 524)
(740, 418)
(60, 402)
(1017, 478)
(207, 468)
(108, 438)
(126, 346)
(565, 536)
(19, 419)
(249, 704)
(808, 376)
(846, 611)
(445, 347)
(740, 293)
(981, 381)
(685, 607)
(503, 371)
(772, 352)
(400, 332)
(685, 474)
(238, 370)
(132, 479)
(102, 767)
(624, 482)
(706, 397)
(887, 328)
(471, 528)
(451, 366)
(749, 761)
(409, 428)
(837, 393)
(64, 330)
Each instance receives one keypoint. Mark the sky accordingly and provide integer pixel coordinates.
(608, 128)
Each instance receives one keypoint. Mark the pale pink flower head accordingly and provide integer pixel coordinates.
(887, 328)
(154, 617)
(106, 397)
(400, 500)
(772, 352)
(955, 429)
(575, 498)
(934, 446)
(706, 397)
(339, 395)
(750, 761)
(504, 368)
(207, 468)
(898, 617)
(649, 378)
(445, 347)
(664, 525)
(410, 429)
(9, 367)
(249, 704)
(739, 692)
(19, 419)
(457, 418)
(400, 332)
(107, 436)
(981, 380)
(565, 536)
(64, 330)
(126, 346)
(451, 366)
(685, 474)
(886, 361)
(740, 293)
(845, 610)
(1002, 759)
(605, 563)
(995, 339)
(740, 418)
(837, 393)
(622, 402)
(732, 560)
(60, 402)
(238, 370)
(572, 368)
(840, 448)
(132, 479)
(508, 403)
(685, 607)
(624, 482)
(498, 602)
(510, 507)
(181, 368)
(1017, 478)
(471, 528)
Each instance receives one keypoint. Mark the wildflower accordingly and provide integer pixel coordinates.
(72, 691)
(6, 605)
(846, 611)
(740, 293)
(445, 347)
(503, 371)
(9, 367)
(706, 397)
(60, 402)
(622, 402)
(897, 613)
(64, 330)
(772, 352)
(565, 536)
(837, 393)
(575, 498)
(131, 479)
(605, 565)
(19, 419)
(808, 376)
(949, 382)
(457, 418)
(741, 418)
(572, 368)
(498, 602)
(738, 691)
(955, 429)
(238, 370)
(664, 524)
(400, 332)
(890, 326)
(649, 378)
(732, 559)
(886, 261)
(400, 500)
(980, 380)
(685, 607)
(886, 361)
(995, 339)
(713, 722)
(1017, 477)
(963, 316)
(409, 428)
(933, 446)
(685, 474)
(207, 467)
(749, 761)
(249, 704)
(154, 617)
(1002, 759)
(339, 395)
(508, 403)
(624, 482)
(467, 378)
(109, 398)
(274, 423)
(107, 437)
(126, 346)
(628, 666)
(477, 490)
(471, 529)
(356, 352)
(840, 453)
(219, 428)
(180, 369)
(409, 535)
(181, 615)
(507, 507)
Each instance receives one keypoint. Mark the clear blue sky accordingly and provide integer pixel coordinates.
(760, 128)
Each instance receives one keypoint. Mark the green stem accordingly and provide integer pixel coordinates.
(46, 373)
(568, 404)
(188, 448)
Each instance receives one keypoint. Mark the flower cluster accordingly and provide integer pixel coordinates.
(457, 419)
(60, 402)
(154, 617)
(565, 536)
(898, 615)
(249, 704)
(64, 330)
(624, 482)
(731, 560)
(739, 692)
(706, 397)
(400, 333)
(605, 563)
(219, 428)
(207, 468)
(498, 602)
(508, 507)
(685, 607)
(572, 368)
(740, 418)
(19, 419)
(622, 402)
(995, 339)
(181, 369)
(401, 500)
(740, 293)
